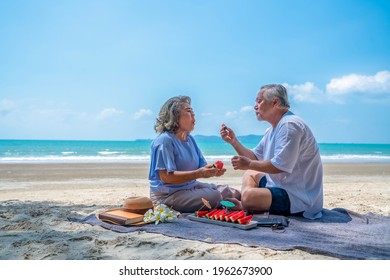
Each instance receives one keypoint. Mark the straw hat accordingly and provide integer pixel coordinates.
(138, 204)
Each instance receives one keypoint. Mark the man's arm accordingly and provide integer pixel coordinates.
(245, 163)
(243, 151)
(264, 166)
(229, 136)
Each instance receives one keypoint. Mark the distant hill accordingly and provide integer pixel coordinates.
(250, 138)
(210, 139)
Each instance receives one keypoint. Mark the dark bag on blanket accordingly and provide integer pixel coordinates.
(271, 221)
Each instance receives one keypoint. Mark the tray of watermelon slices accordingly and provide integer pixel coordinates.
(224, 217)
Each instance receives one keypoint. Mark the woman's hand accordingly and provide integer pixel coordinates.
(208, 171)
(220, 172)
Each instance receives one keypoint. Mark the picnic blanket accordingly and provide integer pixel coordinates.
(339, 233)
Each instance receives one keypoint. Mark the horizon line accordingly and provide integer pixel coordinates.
(151, 139)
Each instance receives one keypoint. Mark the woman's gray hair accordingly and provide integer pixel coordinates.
(168, 118)
(276, 91)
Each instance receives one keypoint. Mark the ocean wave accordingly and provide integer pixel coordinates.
(104, 153)
(325, 158)
(59, 159)
(355, 158)
(117, 157)
(68, 153)
(224, 158)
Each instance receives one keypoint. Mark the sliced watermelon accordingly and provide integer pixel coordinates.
(215, 216)
(211, 213)
(223, 215)
(227, 217)
(218, 215)
(245, 220)
(239, 215)
(218, 164)
(201, 213)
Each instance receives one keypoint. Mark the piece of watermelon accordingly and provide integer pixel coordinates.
(239, 215)
(227, 217)
(218, 164)
(215, 216)
(201, 213)
(211, 213)
(223, 215)
(245, 220)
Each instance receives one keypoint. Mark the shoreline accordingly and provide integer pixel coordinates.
(146, 159)
(36, 199)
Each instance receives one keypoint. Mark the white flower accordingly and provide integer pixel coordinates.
(158, 219)
(161, 213)
(171, 217)
(161, 208)
(149, 216)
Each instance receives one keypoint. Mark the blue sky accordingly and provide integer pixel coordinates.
(102, 69)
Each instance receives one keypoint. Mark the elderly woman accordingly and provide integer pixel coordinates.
(177, 162)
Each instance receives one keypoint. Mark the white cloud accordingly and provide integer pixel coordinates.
(354, 83)
(246, 109)
(231, 114)
(109, 113)
(141, 113)
(306, 92)
(242, 111)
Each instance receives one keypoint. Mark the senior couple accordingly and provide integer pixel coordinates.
(283, 172)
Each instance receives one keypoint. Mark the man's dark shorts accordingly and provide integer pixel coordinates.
(280, 201)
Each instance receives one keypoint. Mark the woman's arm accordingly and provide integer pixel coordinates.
(179, 177)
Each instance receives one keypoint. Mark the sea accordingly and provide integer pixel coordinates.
(138, 151)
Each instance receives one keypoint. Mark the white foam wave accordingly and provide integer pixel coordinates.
(115, 157)
(355, 158)
(68, 153)
(59, 159)
(327, 158)
(213, 158)
(104, 153)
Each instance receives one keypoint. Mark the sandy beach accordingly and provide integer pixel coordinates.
(36, 199)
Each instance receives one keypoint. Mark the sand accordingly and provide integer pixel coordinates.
(36, 199)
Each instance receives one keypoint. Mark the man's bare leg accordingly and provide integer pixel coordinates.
(254, 198)
(250, 180)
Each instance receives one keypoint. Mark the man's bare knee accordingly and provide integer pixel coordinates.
(253, 201)
(253, 176)
(247, 199)
(250, 174)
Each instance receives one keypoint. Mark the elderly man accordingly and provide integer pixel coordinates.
(284, 171)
